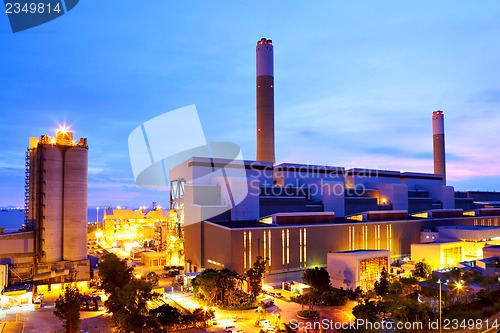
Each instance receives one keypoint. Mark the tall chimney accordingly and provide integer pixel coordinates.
(438, 139)
(265, 101)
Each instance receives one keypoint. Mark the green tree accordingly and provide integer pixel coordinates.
(166, 316)
(67, 309)
(212, 285)
(317, 278)
(127, 296)
(423, 269)
(255, 276)
(153, 278)
(382, 285)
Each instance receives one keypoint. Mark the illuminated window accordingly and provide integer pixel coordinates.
(363, 236)
(377, 236)
(265, 244)
(300, 245)
(287, 246)
(369, 271)
(305, 247)
(358, 217)
(249, 249)
(353, 244)
(283, 247)
(389, 237)
(452, 256)
(244, 249)
(350, 239)
(421, 215)
(269, 234)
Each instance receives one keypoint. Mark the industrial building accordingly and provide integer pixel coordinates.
(295, 214)
(52, 248)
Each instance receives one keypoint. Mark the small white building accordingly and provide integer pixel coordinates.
(358, 268)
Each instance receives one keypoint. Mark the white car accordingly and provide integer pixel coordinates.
(269, 329)
(264, 323)
(229, 328)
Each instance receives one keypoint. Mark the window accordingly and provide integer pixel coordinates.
(305, 247)
(244, 249)
(283, 247)
(249, 249)
(287, 246)
(269, 250)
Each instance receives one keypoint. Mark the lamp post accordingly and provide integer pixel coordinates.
(440, 283)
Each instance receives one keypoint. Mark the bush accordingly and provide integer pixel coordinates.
(308, 313)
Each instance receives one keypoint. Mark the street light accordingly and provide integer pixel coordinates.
(440, 283)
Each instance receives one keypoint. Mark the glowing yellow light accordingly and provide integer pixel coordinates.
(53, 141)
(138, 276)
(384, 201)
(205, 308)
(459, 285)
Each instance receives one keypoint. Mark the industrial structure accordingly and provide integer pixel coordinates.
(438, 143)
(52, 247)
(265, 101)
(129, 230)
(294, 214)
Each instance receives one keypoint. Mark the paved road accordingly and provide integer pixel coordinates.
(43, 320)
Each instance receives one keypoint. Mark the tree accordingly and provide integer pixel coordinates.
(382, 285)
(128, 296)
(67, 309)
(166, 316)
(317, 278)
(256, 274)
(423, 269)
(153, 278)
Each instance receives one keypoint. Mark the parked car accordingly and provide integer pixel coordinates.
(236, 330)
(229, 328)
(264, 322)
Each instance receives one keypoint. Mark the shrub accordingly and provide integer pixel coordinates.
(308, 313)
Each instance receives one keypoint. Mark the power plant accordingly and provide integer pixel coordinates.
(438, 143)
(265, 101)
(296, 214)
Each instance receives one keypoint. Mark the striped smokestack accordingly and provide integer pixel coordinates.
(438, 139)
(265, 101)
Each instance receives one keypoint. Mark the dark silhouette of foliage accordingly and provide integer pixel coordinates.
(67, 308)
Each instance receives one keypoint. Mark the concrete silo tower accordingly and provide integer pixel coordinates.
(57, 197)
(438, 142)
(265, 101)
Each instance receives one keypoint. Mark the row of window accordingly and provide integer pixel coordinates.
(285, 247)
(365, 236)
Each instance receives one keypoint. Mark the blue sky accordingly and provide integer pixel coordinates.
(355, 84)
